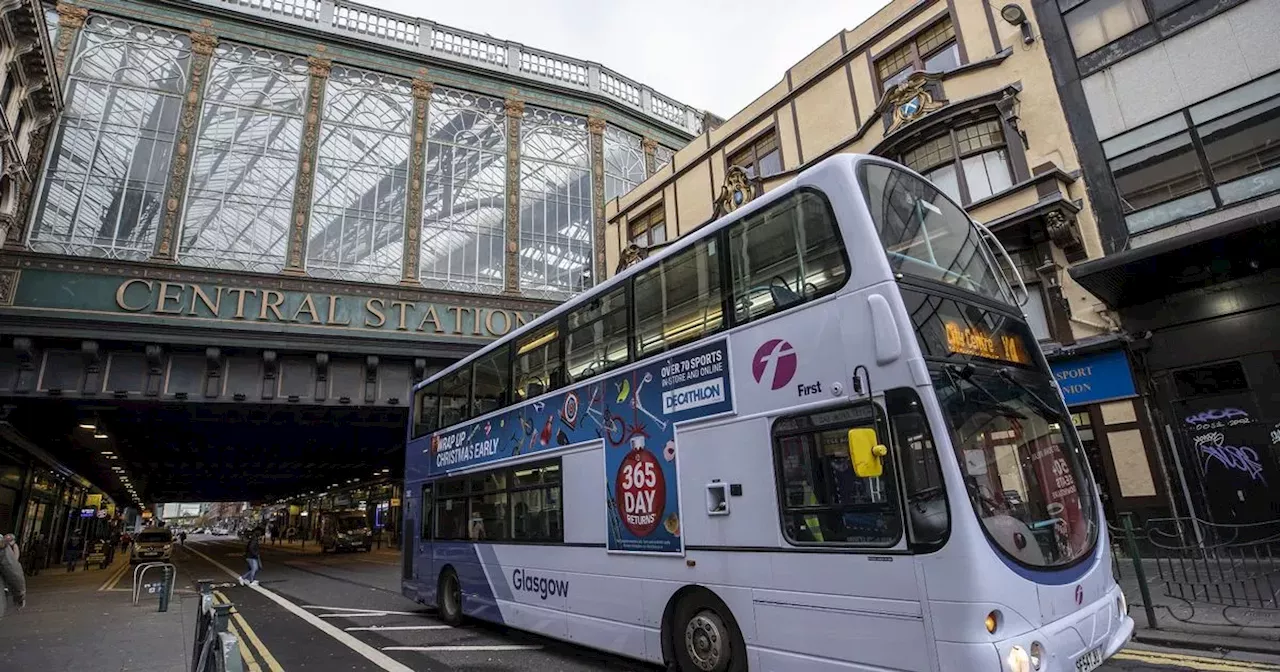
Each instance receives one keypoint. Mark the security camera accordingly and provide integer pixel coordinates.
(1014, 15)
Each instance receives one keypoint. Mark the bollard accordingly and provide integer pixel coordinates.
(1132, 545)
(167, 589)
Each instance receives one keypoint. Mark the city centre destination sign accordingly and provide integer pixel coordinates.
(237, 303)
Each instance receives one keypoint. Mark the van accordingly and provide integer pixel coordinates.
(345, 531)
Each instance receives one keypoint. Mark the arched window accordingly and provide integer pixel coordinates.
(357, 222)
(104, 189)
(623, 162)
(464, 206)
(555, 203)
(242, 176)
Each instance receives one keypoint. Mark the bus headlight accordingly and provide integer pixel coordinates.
(1018, 660)
(1037, 655)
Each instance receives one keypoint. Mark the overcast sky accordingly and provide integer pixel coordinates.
(717, 55)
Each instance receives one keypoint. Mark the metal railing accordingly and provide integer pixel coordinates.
(341, 17)
(215, 649)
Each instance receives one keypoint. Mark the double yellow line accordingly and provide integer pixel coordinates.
(248, 641)
(114, 578)
(1162, 658)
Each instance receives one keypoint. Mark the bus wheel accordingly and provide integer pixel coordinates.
(705, 637)
(449, 598)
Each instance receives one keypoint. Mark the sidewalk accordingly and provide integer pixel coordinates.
(1196, 624)
(77, 621)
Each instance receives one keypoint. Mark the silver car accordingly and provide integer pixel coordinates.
(155, 545)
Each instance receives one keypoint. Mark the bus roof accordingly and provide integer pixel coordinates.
(678, 244)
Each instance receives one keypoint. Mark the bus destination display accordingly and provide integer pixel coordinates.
(634, 412)
(978, 342)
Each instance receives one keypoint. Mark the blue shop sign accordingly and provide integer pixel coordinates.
(1094, 378)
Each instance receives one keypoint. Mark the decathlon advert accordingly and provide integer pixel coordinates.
(640, 451)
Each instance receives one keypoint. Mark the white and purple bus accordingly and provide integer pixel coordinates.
(815, 434)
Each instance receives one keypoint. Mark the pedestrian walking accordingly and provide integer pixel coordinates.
(75, 545)
(182, 538)
(11, 575)
(253, 559)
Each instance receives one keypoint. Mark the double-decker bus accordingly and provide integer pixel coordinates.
(815, 434)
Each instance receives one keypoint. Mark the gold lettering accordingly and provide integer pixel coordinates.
(430, 316)
(166, 298)
(212, 305)
(240, 293)
(331, 318)
(520, 321)
(475, 322)
(402, 305)
(269, 304)
(506, 322)
(124, 287)
(308, 306)
(457, 318)
(376, 312)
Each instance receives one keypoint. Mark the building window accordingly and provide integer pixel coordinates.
(357, 220)
(556, 217)
(662, 157)
(623, 162)
(968, 163)
(650, 228)
(933, 50)
(246, 159)
(464, 202)
(760, 158)
(1100, 22)
(1222, 151)
(103, 191)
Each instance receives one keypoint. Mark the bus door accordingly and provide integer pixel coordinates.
(419, 555)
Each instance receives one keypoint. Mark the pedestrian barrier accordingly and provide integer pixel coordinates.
(165, 588)
(215, 649)
(1201, 562)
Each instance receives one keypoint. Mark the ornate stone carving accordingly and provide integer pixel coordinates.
(70, 20)
(202, 45)
(27, 186)
(919, 95)
(515, 112)
(595, 127)
(306, 164)
(650, 147)
(1064, 233)
(413, 209)
(8, 285)
(738, 190)
(630, 256)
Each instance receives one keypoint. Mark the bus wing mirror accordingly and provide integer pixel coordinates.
(866, 452)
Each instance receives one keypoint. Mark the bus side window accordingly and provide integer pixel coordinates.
(679, 300)
(929, 520)
(538, 366)
(492, 380)
(455, 397)
(426, 410)
(784, 256)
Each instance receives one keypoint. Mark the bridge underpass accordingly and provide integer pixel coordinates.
(176, 452)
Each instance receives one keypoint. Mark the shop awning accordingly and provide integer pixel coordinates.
(1219, 253)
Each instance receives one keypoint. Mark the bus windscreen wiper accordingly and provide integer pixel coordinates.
(1007, 375)
(965, 373)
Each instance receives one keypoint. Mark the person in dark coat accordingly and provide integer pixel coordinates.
(253, 559)
(11, 575)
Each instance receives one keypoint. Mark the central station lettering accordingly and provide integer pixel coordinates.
(179, 299)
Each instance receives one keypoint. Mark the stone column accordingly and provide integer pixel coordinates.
(595, 126)
(70, 20)
(515, 112)
(7, 224)
(202, 45)
(15, 234)
(650, 146)
(417, 161)
(305, 180)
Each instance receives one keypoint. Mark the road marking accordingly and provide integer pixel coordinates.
(245, 654)
(494, 647)
(1193, 662)
(376, 614)
(371, 654)
(264, 652)
(358, 611)
(380, 628)
(114, 578)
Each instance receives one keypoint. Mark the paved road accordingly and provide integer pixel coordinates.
(345, 612)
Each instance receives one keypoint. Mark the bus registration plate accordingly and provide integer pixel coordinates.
(1089, 661)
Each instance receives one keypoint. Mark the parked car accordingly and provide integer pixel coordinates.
(152, 545)
(345, 531)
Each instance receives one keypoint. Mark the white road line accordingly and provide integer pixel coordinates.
(371, 654)
(495, 647)
(358, 611)
(379, 628)
(372, 613)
